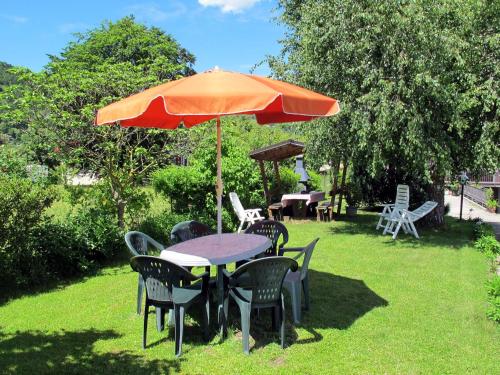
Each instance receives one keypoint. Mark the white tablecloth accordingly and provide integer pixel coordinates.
(313, 196)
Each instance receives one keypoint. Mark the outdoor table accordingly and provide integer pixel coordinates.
(298, 198)
(217, 250)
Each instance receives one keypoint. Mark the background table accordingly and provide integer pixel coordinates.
(218, 250)
(296, 199)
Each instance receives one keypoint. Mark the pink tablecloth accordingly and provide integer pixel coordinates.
(313, 196)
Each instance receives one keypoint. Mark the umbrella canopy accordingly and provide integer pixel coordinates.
(212, 94)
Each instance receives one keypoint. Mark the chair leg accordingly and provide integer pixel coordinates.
(145, 330)
(395, 234)
(140, 288)
(206, 320)
(282, 321)
(245, 326)
(179, 328)
(171, 318)
(295, 294)
(160, 319)
(414, 230)
(275, 318)
(305, 286)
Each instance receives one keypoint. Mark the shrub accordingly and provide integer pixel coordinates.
(314, 181)
(160, 226)
(96, 232)
(21, 210)
(34, 249)
(488, 245)
(493, 287)
(482, 229)
(191, 189)
(289, 181)
(12, 161)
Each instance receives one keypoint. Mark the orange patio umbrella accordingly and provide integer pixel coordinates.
(202, 97)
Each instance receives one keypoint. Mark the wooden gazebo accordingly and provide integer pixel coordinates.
(275, 153)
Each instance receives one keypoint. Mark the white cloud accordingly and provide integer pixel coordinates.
(12, 18)
(153, 13)
(234, 6)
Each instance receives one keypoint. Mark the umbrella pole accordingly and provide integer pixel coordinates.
(218, 189)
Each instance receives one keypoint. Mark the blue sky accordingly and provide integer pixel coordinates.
(233, 34)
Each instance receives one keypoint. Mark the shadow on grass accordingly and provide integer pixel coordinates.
(36, 352)
(11, 292)
(336, 303)
(452, 234)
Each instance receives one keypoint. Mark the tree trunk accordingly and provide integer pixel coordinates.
(435, 192)
(342, 186)
(120, 210)
(335, 183)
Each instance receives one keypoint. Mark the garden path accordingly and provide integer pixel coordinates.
(472, 210)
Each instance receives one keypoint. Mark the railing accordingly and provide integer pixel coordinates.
(475, 194)
(487, 178)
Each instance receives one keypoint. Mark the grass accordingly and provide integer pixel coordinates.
(378, 306)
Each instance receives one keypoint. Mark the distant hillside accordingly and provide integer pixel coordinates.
(6, 78)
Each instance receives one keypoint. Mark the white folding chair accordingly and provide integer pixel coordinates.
(249, 216)
(402, 202)
(404, 218)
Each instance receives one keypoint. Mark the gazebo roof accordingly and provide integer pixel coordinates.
(278, 151)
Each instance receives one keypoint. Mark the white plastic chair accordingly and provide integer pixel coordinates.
(249, 216)
(404, 218)
(402, 202)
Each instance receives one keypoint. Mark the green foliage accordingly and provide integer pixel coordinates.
(182, 185)
(6, 77)
(353, 195)
(21, 206)
(103, 65)
(417, 83)
(314, 180)
(96, 231)
(482, 229)
(454, 187)
(493, 288)
(159, 226)
(289, 182)
(34, 248)
(491, 203)
(488, 245)
(13, 161)
(191, 189)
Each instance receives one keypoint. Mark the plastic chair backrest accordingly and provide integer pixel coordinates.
(308, 250)
(160, 276)
(272, 230)
(238, 208)
(263, 277)
(424, 209)
(187, 230)
(137, 243)
(402, 197)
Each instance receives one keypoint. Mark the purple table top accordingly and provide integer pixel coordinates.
(216, 249)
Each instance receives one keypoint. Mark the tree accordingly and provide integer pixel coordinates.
(417, 83)
(102, 65)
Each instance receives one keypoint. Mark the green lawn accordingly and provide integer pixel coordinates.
(378, 306)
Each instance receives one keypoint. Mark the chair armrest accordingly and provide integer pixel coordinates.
(388, 205)
(205, 281)
(285, 249)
